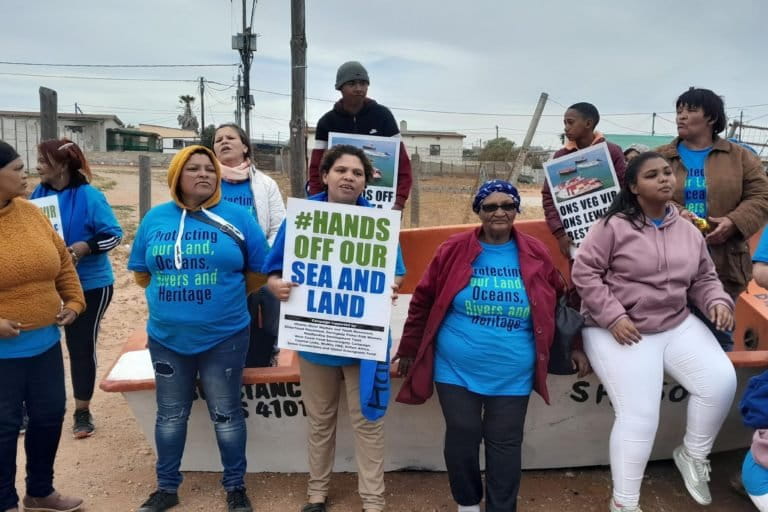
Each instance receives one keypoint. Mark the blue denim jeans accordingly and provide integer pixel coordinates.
(38, 381)
(221, 374)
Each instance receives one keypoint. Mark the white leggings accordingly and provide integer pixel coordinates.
(633, 376)
(761, 502)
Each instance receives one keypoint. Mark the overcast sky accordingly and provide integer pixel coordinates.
(484, 56)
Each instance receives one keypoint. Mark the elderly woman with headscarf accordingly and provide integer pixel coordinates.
(197, 256)
(39, 292)
(480, 326)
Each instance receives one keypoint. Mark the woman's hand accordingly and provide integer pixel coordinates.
(279, 288)
(722, 317)
(9, 328)
(78, 251)
(404, 364)
(565, 243)
(687, 215)
(725, 229)
(65, 317)
(395, 294)
(581, 363)
(625, 332)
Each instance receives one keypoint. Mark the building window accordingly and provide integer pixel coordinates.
(74, 128)
(178, 144)
(434, 150)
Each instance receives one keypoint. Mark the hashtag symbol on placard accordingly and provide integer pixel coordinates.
(303, 220)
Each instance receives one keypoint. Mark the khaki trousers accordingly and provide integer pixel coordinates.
(321, 389)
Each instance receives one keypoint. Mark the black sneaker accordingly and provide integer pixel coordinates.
(314, 507)
(237, 501)
(83, 426)
(159, 501)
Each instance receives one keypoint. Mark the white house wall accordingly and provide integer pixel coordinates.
(23, 133)
(451, 148)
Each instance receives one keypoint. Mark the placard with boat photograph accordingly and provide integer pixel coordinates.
(583, 185)
(384, 154)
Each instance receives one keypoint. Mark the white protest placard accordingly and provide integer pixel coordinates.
(343, 259)
(49, 206)
(583, 185)
(384, 154)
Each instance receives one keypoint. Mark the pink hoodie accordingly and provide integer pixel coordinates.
(649, 275)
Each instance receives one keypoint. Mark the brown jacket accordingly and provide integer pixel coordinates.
(737, 188)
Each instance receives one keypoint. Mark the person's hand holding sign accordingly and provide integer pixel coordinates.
(279, 288)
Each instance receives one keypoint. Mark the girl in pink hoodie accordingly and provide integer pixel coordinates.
(637, 271)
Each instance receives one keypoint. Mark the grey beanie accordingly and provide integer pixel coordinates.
(349, 71)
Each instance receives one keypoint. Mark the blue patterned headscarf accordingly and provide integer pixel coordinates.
(491, 186)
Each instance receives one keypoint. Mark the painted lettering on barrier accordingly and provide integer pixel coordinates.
(274, 400)
(583, 391)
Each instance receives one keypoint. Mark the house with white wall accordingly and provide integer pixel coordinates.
(432, 146)
(22, 131)
(174, 139)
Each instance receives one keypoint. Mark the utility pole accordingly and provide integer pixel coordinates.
(653, 124)
(202, 105)
(520, 160)
(497, 131)
(238, 112)
(298, 146)
(245, 43)
(741, 124)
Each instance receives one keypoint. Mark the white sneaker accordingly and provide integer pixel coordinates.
(615, 507)
(469, 508)
(695, 474)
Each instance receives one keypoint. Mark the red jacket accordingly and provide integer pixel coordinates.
(550, 212)
(447, 274)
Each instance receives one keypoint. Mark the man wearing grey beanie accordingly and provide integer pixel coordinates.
(357, 114)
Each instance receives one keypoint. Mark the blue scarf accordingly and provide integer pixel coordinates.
(374, 375)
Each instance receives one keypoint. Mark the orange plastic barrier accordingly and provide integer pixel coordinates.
(419, 245)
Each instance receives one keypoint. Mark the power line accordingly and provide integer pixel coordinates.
(325, 100)
(116, 65)
(80, 77)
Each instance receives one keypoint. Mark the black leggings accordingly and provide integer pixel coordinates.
(81, 338)
(498, 422)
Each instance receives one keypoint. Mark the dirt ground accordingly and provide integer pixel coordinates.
(114, 470)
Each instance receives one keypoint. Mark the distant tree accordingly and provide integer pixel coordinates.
(498, 150)
(187, 120)
(206, 136)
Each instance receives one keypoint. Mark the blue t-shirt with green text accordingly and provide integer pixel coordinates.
(695, 182)
(486, 342)
(194, 308)
(239, 194)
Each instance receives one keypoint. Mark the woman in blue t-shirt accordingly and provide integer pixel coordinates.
(345, 171)
(197, 256)
(90, 232)
(480, 326)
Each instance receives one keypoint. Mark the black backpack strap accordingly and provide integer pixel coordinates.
(224, 229)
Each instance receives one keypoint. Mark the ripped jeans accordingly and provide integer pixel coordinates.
(221, 375)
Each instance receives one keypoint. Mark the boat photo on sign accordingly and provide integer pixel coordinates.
(583, 186)
(384, 155)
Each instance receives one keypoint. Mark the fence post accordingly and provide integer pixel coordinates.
(145, 185)
(48, 114)
(416, 172)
